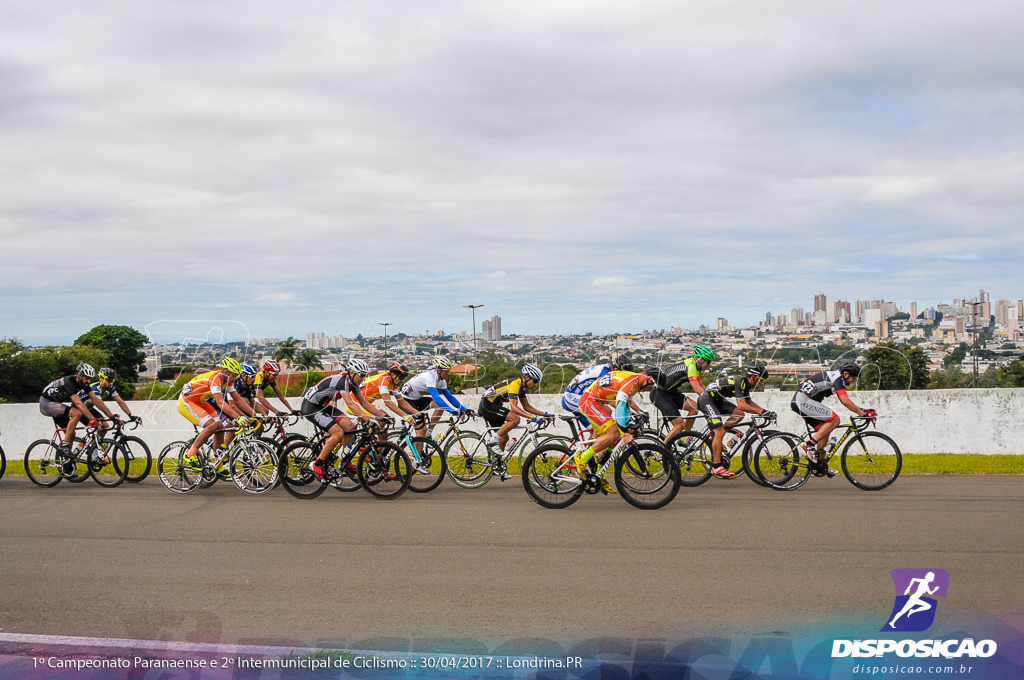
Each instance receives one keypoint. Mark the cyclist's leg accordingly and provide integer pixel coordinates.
(668, 404)
(714, 412)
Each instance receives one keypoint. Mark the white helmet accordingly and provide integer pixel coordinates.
(531, 371)
(86, 369)
(443, 363)
(357, 366)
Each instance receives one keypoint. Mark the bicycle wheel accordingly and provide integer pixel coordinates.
(778, 460)
(747, 459)
(432, 457)
(539, 440)
(691, 451)
(469, 461)
(550, 478)
(646, 476)
(173, 472)
(109, 463)
(41, 463)
(871, 461)
(345, 477)
(254, 466)
(140, 459)
(295, 470)
(384, 470)
(3, 462)
(82, 469)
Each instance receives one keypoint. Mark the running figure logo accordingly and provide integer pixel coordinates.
(914, 610)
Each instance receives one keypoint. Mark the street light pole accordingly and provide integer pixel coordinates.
(473, 308)
(385, 324)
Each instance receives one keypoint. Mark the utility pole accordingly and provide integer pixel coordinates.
(385, 324)
(976, 308)
(473, 308)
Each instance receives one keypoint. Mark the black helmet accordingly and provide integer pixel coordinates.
(622, 363)
(848, 365)
(655, 372)
(760, 370)
(398, 369)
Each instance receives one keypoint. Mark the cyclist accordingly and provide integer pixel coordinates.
(203, 402)
(102, 390)
(713, 402)
(513, 392)
(429, 389)
(807, 403)
(67, 389)
(584, 379)
(667, 397)
(608, 405)
(267, 378)
(318, 409)
(246, 391)
(380, 387)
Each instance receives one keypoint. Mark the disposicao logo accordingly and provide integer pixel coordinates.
(914, 609)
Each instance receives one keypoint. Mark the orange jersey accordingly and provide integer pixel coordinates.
(615, 386)
(205, 385)
(378, 386)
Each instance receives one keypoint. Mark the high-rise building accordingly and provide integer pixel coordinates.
(1012, 325)
(485, 329)
(1002, 307)
(819, 302)
(913, 310)
(797, 315)
(495, 328)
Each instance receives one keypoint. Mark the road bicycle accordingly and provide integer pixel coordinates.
(47, 462)
(250, 463)
(646, 475)
(692, 450)
(472, 462)
(869, 460)
(140, 460)
(381, 468)
(428, 459)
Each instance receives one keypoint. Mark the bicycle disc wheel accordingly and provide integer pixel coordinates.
(432, 457)
(550, 478)
(384, 470)
(109, 463)
(173, 472)
(254, 466)
(295, 470)
(690, 452)
(646, 476)
(779, 462)
(872, 461)
(41, 464)
(468, 461)
(140, 459)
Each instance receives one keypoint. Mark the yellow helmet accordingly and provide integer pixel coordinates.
(231, 365)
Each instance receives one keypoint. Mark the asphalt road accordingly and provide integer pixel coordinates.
(488, 565)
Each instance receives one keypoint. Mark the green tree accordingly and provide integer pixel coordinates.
(895, 367)
(123, 345)
(287, 349)
(1012, 375)
(308, 359)
(25, 372)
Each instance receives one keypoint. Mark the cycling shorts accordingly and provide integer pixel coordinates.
(669, 403)
(493, 414)
(59, 411)
(324, 417)
(198, 412)
(814, 413)
(421, 404)
(598, 413)
(714, 409)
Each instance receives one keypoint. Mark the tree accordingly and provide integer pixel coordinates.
(308, 359)
(1012, 375)
(287, 349)
(122, 345)
(895, 367)
(24, 372)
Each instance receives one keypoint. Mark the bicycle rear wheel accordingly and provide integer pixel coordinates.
(550, 478)
(646, 476)
(432, 457)
(871, 461)
(384, 470)
(173, 472)
(254, 466)
(3, 462)
(779, 462)
(748, 455)
(140, 459)
(295, 470)
(109, 463)
(469, 461)
(691, 451)
(42, 464)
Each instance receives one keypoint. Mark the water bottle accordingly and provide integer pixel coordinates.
(832, 442)
(511, 444)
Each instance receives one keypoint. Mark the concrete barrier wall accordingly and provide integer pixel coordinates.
(930, 421)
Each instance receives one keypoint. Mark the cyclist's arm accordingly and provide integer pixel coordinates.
(225, 406)
(697, 385)
(77, 402)
(848, 403)
(280, 396)
(123, 405)
(368, 407)
(354, 407)
(449, 403)
(748, 406)
(393, 405)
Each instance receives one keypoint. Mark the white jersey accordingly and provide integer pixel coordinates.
(579, 384)
(416, 387)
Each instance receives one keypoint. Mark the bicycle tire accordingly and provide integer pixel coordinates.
(691, 450)
(432, 456)
(384, 470)
(646, 475)
(140, 458)
(540, 440)
(3, 462)
(295, 469)
(346, 480)
(174, 474)
(873, 467)
(254, 468)
(547, 479)
(778, 462)
(44, 470)
(747, 459)
(110, 471)
(468, 461)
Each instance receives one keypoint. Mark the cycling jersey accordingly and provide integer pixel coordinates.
(61, 389)
(824, 384)
(501, 392)
(378, 386)
(96, 388)
(264, 380)
(579, 384)
(614, 389)
(429, 383)
(729, 387)
(330, 388)
(205, 385)
(679, 374)
(248, 391)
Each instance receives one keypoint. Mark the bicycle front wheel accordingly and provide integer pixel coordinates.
(42, 465)
(109, 463)
(646, 476)
(140, 460)
(384, 470)
(432, 458)
(295, 470)
(691, 453)
(469, 461)
(3, 462)
(172, 471)
(779, 462)
(872, 461)
(254, 466)
(550, 478)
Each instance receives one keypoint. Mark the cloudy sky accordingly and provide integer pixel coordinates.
(572, 165)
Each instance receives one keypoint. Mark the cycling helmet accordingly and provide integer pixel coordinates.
(531, 371)
(357, 366)
(398, 369)
(231, 365)
(106, 373)
(655, 372)
(86, 369)
(622, 363)
(760, 370)
(848, 365)
(703, 352)
(443, 364)
(271, 366)
(249, 369)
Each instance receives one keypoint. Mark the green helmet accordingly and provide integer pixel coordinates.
(231, 365)
(703, 352)
(443, 364)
